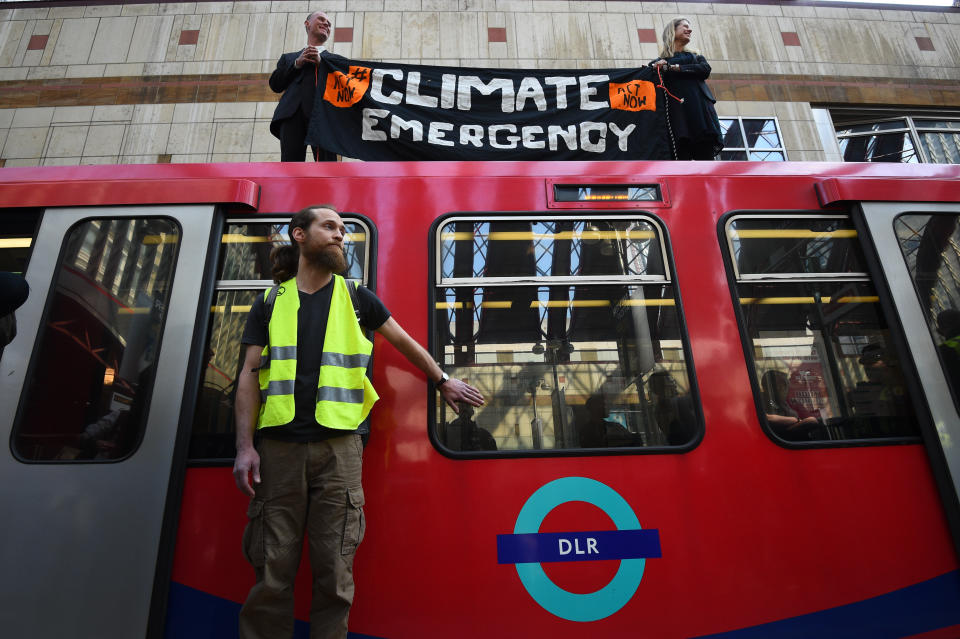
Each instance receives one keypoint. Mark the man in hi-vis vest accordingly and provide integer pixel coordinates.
(303, 388)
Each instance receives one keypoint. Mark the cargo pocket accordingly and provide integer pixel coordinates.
(253, 549)
(354, 523)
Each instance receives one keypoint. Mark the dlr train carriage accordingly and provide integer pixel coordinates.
(721, 398)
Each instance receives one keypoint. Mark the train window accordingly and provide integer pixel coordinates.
(931, 248)
(98, 344)
(243, 273)
(17, 228)
(571, 330)
(825, 369)
(247, 246)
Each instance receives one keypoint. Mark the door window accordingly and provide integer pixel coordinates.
(91, 376)
(931, 248)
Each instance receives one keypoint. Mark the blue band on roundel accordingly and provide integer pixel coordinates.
(574, 606)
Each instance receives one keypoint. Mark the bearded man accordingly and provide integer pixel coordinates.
(303, 389)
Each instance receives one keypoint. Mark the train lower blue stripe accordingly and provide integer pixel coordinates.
(928, 605)
(194, 614)
(923, 607)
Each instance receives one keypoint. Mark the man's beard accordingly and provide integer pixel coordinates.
(329, 257)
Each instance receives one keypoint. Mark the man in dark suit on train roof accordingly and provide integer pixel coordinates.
(297, 77)
(303, 389)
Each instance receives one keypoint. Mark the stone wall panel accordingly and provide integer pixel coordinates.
(190, 138)
(265, 35)
(66, 141)
(141, 139)
(226, 36)
(613, 35)
(112, 40)
(25, 143)
(151, 37)
(420, 35)
(459, 35)
(74, 41)
(381, 35)
(12, 43)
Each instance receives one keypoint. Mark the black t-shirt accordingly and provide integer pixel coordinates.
(311, 329)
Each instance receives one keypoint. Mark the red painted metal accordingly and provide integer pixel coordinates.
(111, 192)
(872, 189)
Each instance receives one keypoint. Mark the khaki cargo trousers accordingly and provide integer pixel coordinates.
(311, 488)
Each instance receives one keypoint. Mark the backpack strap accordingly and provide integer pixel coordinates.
(268, 307)
(352, 289)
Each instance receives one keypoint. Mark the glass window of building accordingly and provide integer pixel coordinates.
(571, 330)
(243, 272)
(825, 369)
(754, 139)
(881, 136)
(931, 248)
(98, 343)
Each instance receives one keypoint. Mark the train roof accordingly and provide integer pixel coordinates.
(239, 183)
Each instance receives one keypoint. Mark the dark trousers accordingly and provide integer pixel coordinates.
(292, 147)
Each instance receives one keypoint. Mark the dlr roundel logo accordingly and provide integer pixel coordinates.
(527, 549)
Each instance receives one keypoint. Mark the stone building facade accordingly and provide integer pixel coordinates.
(123, 81)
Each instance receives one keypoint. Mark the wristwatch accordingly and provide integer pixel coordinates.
(443, 380)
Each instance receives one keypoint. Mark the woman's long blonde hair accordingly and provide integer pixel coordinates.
(666, 39)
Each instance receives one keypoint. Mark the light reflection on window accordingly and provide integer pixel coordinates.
(565, 361)
(99, 341)
(931, 248)
(753, 139)
(908, 140)
(826, 368)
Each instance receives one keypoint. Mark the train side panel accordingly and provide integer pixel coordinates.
(751, 532)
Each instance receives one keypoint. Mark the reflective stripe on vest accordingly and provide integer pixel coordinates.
(345, 395)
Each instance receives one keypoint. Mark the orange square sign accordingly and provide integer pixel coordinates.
(636, 95)
(345, 90)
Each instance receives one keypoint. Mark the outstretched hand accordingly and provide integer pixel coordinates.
(455, 390)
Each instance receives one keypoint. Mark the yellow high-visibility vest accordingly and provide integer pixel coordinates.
(954, 343)
(344, 395)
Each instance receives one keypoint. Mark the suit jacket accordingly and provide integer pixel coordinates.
(297, 87)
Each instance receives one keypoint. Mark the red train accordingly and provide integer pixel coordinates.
(721, 397)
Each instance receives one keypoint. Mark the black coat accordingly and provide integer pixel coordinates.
(297, 87)
(695, 119)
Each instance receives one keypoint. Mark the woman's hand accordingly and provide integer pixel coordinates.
(661, 63)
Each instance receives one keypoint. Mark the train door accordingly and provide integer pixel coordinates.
(90, 402)
(921, 265)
